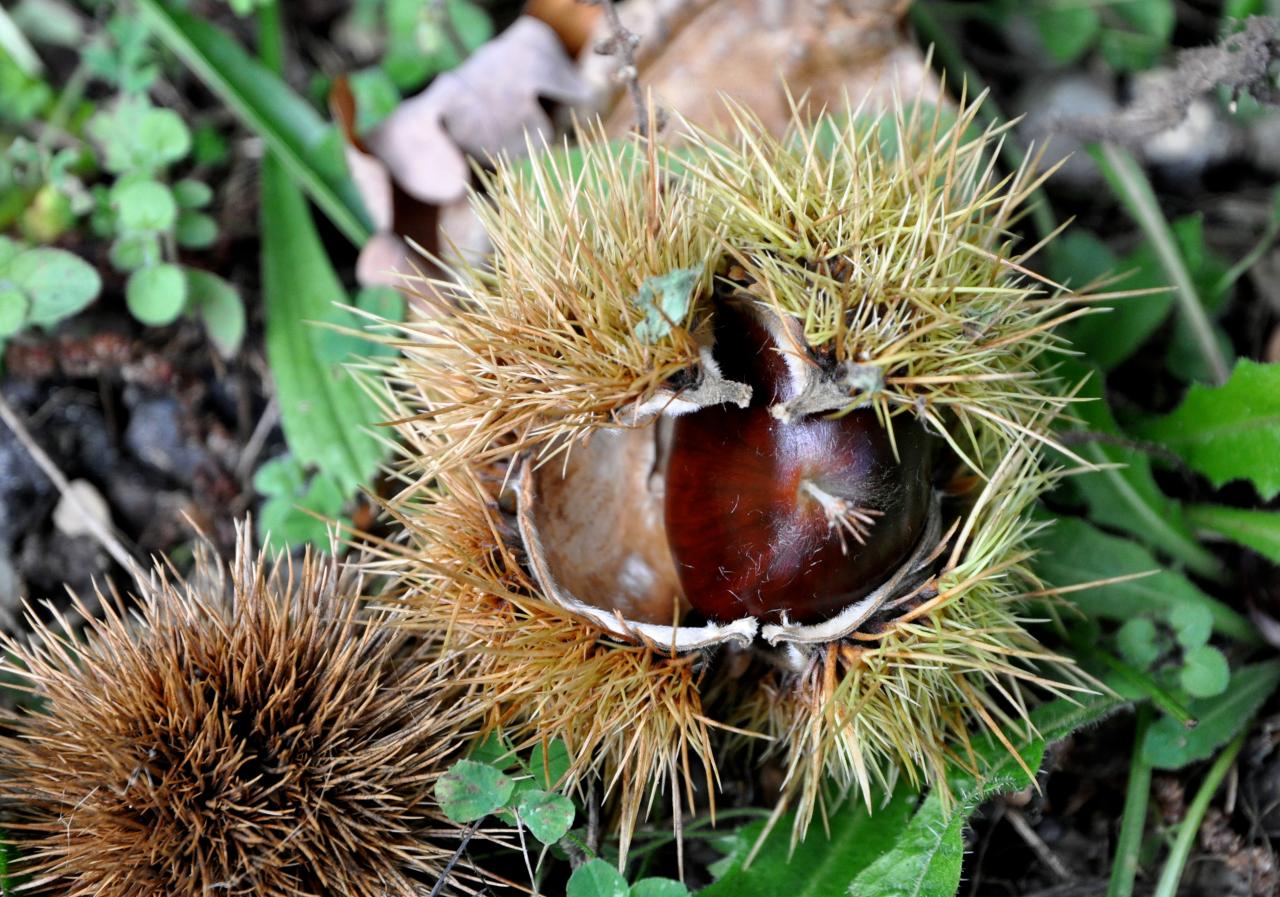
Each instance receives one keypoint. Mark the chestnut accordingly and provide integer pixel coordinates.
(791, 519)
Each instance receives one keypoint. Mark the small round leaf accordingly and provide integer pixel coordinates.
(130, 252)
(13, 311)
(196, 230)
(156, 295)
(659, 887)
(192, 194)
(219, 307)
(1205, 672)
(162, 137)
(1192, 624)
(144, 205)
(596, 879)
(1137, 642)
(549, 816)
(468, 791)
(58, 283)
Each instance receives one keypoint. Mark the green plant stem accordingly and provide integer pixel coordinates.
(271, 37)
(1011, 149)
(1171, 875)
(1238, 270)
(1133, 821)
(1134, 191)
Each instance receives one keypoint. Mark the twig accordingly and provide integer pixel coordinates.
(1036, 843)
(467, 834)
(622, 43)
(257, 439)
(100, 532)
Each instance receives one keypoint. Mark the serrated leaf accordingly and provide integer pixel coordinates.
(1170, 745)
(927, 857)
(596, 878)
(1230, 432)
(665, 299)
(291, 129)
(659, 887)
(220, 309)
(326, 417)
(1205, 672)
(468, 791)
(548, 816)
(1072, 552)
(156, 295)
(1124, 494)
(1256, 529)
(57, 283)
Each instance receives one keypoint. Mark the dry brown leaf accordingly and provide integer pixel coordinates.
(574, 21)
(755, 51)
(413, 171)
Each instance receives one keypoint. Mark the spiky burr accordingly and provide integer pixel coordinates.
(258, 733)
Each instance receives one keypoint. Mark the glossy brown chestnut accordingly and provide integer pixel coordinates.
(801, 518)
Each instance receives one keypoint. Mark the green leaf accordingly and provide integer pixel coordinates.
(495, 750)
(1138, 34)
(1256, 529)
(1138, 643)
(1205, 672)
(1072, 553)
(419, 45)
(130, 252)
(292, 130)
(376, 97)
(659, 887)
(1124, 494)
(1170, 745)
(549, 766)
(326, 417)
(14, 307)
(596, 879)
(220, 308)
(1192, 624)
(927, 857)
(196, 230)
(548, 816)
(135, 136)
(1229, 432)
(289, 516)
(192, 194)
(468, 791)
(1067, 29)
(157, 295)
(665, 300)
(144, 205)
(56, 282)
(857, 839)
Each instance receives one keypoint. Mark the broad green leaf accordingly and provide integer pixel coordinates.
(1074, 553)
(665, 299)
(596, 878)
(1067, 28)
(375, 95)
(1205, 672)
(468, 791)
(292, 130)
(1127, 497)
(1137, 32)
(927, 857)
(219, 307)
(1138, 642)
(325, 415)
(1171, 745)
(144, 205)
(549, 816)
(58, 283)
(156, 295)
(857, 839)
(13, 310)
(1256, 529)
(1229, 432)
(658, 887)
